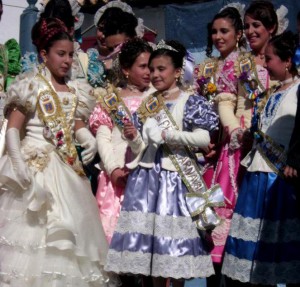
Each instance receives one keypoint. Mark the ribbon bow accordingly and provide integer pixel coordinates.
(201, 207)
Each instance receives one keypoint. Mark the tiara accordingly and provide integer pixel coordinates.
(162, 45)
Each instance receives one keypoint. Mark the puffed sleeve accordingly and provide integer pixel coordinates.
(226, 108)
(198, 120)
(98, 118)
(22, 94)
(96, 74)
(86, 100)
(198, 113)
(14, 60)
(10, 60)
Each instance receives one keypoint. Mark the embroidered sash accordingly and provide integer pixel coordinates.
(273, 153)
(245, 70)
(57, 126)
(199, 199)
(113, 104)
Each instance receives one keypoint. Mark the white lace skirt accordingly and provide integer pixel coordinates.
(50, 232)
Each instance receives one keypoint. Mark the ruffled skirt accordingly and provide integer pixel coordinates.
(263, 246)
(50, 232)
(228, 175)
(155, 234)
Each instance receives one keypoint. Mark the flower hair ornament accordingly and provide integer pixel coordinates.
(238, 6)
(47, 33)
(162, 45)
(140, 29)
(283, 21)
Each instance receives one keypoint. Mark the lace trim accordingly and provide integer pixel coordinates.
(220, 233)
(248, 229)
(164, 226)
(232, 175)
(48, 276)
(18, 244)
(159, 265)
(261, 272)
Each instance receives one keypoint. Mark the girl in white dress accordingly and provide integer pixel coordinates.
(50, 232)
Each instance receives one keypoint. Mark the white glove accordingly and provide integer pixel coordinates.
(197, 138)
(13, 146)
(152, 132)
(88, 142)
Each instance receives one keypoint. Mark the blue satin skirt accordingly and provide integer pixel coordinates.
(155, 234)
(263, 246)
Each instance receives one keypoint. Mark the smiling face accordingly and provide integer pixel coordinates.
(257, 34)
(276, 67)
(114, 41)
(224, 36)
(59, 58)
(139, 73)
(163, 74)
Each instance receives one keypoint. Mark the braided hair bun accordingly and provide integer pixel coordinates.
(47, 31)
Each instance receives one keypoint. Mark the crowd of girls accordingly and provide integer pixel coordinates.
(162, 217)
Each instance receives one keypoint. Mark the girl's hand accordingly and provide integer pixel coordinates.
(119, 177)
(129, 131)
(211, 153)
(290, 172)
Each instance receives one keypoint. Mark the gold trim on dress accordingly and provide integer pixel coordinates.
(58, 123)
(113, 104)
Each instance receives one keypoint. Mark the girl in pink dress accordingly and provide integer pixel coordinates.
(226, 35)
(236, 86)
(113, 149)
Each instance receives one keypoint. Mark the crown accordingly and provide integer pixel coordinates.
(162, 45)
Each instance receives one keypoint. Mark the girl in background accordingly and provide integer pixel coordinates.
(263, 244)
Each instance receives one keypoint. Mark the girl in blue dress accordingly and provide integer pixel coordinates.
(263, 246)
(155, 233)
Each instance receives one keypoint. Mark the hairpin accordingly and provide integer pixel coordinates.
(162, 45)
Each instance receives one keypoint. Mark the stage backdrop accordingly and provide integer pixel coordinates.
(188, 23)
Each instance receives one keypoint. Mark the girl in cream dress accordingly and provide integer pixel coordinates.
(50, 232)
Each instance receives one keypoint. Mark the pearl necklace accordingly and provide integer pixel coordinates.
(288, 81)
(133, 88)
(167, 94)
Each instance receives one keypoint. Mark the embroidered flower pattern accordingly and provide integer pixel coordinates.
(36, 158)
(206, 88)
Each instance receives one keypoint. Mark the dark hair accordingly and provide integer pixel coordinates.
(120, 23)
(60, 9)
(264, 12)
(107, 14)
(298, 16)
(47, 31)
(236, 20)
(131, 50)
(176, 56)
(284, 46)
